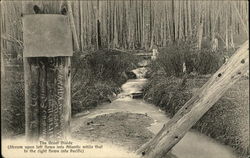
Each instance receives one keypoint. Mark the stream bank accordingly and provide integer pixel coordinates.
(108, 121)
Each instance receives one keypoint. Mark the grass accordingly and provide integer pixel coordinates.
(227, 121)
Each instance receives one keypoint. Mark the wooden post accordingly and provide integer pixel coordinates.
(73, 26)
(47, 73)
(174, 130)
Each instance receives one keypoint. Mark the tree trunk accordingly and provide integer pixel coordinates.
(226, 29)
(173, 21)
(199, 35)
(47, 93)
(174, 130)
(98, 26)
(73, 27)
(82, 26)
(189, 19)
(115, 39)
(231, 37)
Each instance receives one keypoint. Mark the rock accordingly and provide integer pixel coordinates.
(96, 124)
(90, 129)
(137, 95)
(82, 114)
(91, 122)
(130, 75)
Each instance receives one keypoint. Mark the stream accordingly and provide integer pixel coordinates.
(193, 145)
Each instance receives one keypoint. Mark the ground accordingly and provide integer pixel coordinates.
(121, 128)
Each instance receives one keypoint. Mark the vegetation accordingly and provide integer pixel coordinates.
(137, 24)
(197, 34)
(227, 121)
(98, 76)
(204, 61)
(95, 80)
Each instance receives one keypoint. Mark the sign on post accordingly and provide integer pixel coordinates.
(46, 35)
(47, 50)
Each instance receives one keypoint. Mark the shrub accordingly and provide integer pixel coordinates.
(12, 109)
(109, 64)
(170, 60)
(98, 76)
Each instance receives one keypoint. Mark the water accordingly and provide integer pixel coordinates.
(193, 145)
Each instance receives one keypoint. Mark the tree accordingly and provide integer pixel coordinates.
(47, 87)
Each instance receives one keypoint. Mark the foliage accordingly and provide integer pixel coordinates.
(166, 92)
(12, 109)
(109, 64)
(97, 77)
(205, 61)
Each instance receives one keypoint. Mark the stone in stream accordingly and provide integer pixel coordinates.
(137, 95)
(129, 75)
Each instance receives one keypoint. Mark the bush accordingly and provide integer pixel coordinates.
(170, 60)
(98, 76)
(109, 64)
(12, 109)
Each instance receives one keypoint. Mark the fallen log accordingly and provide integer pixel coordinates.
(174, 130)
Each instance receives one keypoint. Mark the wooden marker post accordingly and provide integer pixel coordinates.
(47, 50)
(174, 130)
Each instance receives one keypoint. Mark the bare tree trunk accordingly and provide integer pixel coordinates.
(2, 29)
(189, 19)
(173, 21)
(226, 38)
(98, 25)
(231, 26)
(153, 28)
(199, 35)
(226, 29)
(142, 23)
(73, 27)
(115, 40)
(82, 33)
(2, 66)
(231, 37)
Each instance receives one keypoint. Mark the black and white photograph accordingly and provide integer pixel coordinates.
(124, 78)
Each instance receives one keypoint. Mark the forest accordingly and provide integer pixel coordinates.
(114, 45)
(140, 24)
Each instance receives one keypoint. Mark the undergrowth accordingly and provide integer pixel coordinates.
(205, 61)
(97, 77)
